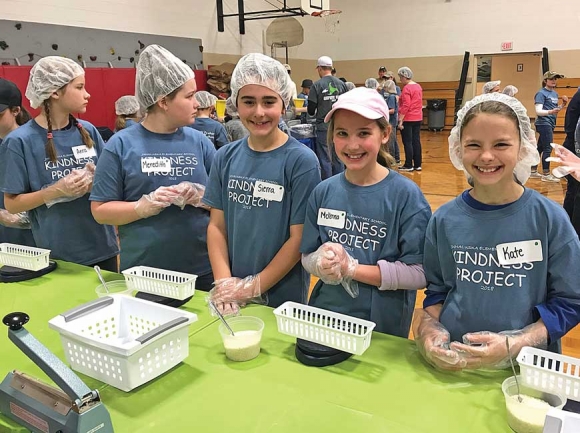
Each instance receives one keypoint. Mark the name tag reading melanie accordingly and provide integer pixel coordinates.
(331, 218)
(269, 191)
(154, 165)
(82, 152)
(514, 253)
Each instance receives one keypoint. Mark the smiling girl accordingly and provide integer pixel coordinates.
(365, 227)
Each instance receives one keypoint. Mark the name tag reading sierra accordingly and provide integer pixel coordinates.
(331, 218)
(514, 253)
(153, 165)
(269, 191)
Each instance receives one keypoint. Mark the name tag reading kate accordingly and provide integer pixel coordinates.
(154, 165)
(82, 152)
(269, 191)
(514, 253)
(331, 218)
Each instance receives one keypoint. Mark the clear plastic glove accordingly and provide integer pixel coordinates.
(333, 265)
(71, 187)
(190, 194)
(237, 290)
(14, 221)
(432, 340)
(570, 162)
(488, 350)
(225, 308)
(153, 203)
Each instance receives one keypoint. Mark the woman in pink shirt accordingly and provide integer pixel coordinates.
(410, 119)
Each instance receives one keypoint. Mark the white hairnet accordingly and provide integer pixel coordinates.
(256, 68)
(390, 86)
(231, 109)
(205, 99)
(159, 73)
(490, 85)
(126, 105)
(528, 155)
(349, 85)
(48, 75)
(405, 72)
(371, 83)
(510, 90)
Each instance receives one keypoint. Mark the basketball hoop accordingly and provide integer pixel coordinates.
(331, 19)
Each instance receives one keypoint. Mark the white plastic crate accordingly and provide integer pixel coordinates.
(123, 341)
(328, 328)
(20, 256)
(549, 371)
(171, 284)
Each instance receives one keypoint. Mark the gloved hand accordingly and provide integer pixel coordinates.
(236, 290)
(71, 187)
(333, 265)
(488, 349)
(190, 194)
(570, 162)
(432, 340)
(14, 221)
(153, 203)
(225, 308)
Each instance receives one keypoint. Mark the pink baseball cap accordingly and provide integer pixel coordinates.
(367, 102)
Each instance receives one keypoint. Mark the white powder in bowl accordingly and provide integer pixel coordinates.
(244, 346)
(528, 416)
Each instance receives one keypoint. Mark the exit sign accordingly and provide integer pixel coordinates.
(507, 46)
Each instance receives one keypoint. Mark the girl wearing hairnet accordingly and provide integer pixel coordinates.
(151, 176)
(257, 192)
(497, 258)
(50, 163)
(212, 129)
(127, 111)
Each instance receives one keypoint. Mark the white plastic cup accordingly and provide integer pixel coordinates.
(115, 288)
(245, 345)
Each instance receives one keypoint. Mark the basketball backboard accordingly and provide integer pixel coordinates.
(310, 6)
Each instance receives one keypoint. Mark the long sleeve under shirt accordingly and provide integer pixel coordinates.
(560, 312)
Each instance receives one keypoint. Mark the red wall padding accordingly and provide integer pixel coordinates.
(104, 85)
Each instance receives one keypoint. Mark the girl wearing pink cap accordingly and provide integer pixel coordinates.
(365, 228)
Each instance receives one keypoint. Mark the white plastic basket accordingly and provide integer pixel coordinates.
(123, 341)
(549, 372)
(171, 284)
(328, 328)
(20, 256)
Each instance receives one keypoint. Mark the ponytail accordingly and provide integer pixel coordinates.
(49, 147)
(120, 122)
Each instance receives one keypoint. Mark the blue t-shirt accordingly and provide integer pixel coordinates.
(258, 221)
(212, 129)
(482, 294)
(67, 229)
(549, 101)
(385, 221)
(174, 239)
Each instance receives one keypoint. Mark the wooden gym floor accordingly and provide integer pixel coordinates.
(441, 182)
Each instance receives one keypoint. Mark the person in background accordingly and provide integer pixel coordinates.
(497, 258)
(510, 90)
(390, 96)
(491, 87)
(127, 111)
(410, 119)
(151, 177)
(547, 108)
(349, 85)
(212, 129)
(306, 85)
(333, 72)
(294, 90)
(234, 127)
(49, 165)
(372, 83)
(391, 76)
(570, 128)
(14, 228)
(257, 192)
(382, 79)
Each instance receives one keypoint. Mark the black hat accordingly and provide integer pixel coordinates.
(382, 69)
(10, 96)
(307, 83)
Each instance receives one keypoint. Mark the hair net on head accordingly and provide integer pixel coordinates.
(390, 86)
(405, 72)
(159, 73)
(490, 85)
(256, 68)
(48, 75)
(528, 155)
(349, 85)
(510, 90)
(126, 105)
(371, 83)
(205, 99)
(231, 109)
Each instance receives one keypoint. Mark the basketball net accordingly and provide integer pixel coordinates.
(331, 19)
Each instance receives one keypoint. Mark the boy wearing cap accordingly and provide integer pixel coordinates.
(382, 79)
(306, 85)
(323, 94)
(547, 108)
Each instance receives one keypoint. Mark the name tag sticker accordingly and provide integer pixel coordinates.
(514, 253)
(82, 152)
(331, 218)
(155, 165)
(268, 191)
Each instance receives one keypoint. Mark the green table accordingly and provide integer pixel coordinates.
(387, 389)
